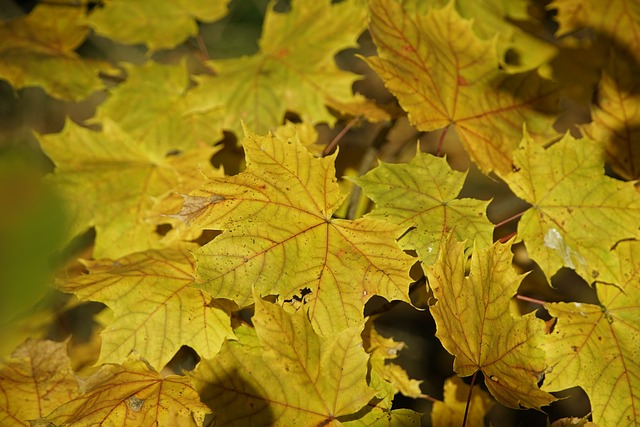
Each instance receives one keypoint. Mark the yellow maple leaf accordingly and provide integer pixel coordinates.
(284, 374)
(35, 380)
(132, 395)
(280, 237)
(474, 323)
(597, 347)
(294, 69)
(159, 25)
(443, 74)
(111, 182)
(577, 212)
(155, 308)
(38, 50)
(423, 194)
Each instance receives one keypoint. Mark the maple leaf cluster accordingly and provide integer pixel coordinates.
(246, 298)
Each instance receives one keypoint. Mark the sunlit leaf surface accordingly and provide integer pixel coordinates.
(443, 74)
(598, 346)
(285, 374)
(474, 323)
(280, 238)
(577, 212)
(156, 310)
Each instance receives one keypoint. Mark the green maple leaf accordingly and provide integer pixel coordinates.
(422, 194)
(474, 323)
(131, 394)
(38, 50)
(280, 237)
(443, 74)
(158, 25)
(35, 380)
(156, 309)
(577, 213)
(285, 374)
(294, 70)
(597, 347)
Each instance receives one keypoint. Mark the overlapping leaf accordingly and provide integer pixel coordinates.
(474, 323)
(294, 70)
(382, 350)
(619, 20)
(616, 116)
(285, 374)
(131, 394)
(35, 380)
(443, 75)
(38, 50)
(597, 347)
(154, 106)
(155, 308)
(281, 239)
(423, 194)
(111, 182)
(497, 17)
(451, 411)
(577, 213)
(159, 25)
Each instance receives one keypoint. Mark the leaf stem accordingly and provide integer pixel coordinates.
(329, 148)
(504, 239)
(441, 140)
(531, 300)
(466, 409)
(511, 218)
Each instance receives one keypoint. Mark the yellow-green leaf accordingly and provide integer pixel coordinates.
(154, 106)
(156, 310)
(285, 375)
(131, 395)
(280, 238)
(450, 412)
(38, 50)
(474, 323)
(294, 69)
(35, 380)
(111, 181)
(597, 347)
(497, 17)
(443, 74)
(577, 212)
(423, 194)
(159, 25)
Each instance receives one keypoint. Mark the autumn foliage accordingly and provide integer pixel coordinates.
(236, 267)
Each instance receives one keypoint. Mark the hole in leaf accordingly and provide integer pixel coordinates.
(206, 237)
(185, 359)
(163, 229)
